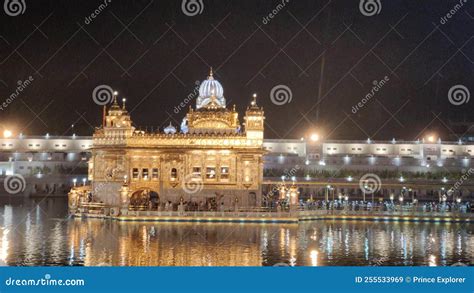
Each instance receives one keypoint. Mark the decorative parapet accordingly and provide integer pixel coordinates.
(176, 140)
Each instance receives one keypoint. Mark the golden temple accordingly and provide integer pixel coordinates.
(212, 161)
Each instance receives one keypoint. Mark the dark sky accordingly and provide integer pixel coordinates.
(153, 53)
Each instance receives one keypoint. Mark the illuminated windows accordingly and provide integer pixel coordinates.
(211, 173)
(225, 172)
(154, 173)
(135, 173)
(196, 173)
(174, 174)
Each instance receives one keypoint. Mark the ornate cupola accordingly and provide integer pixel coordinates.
(211, 115)
(170, 129)
(254, 120)
(117, 121)
(211, 94)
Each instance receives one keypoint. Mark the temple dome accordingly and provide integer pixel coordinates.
(210, 88)
(170, 129)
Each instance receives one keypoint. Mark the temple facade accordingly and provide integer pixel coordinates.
(211, 159)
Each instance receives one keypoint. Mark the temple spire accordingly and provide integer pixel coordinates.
(115, 105)
(254, 101)
(115, 98)
(211, 73)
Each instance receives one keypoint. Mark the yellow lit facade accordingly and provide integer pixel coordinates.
(211, 157)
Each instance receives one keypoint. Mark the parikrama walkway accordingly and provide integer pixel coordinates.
(283, 217)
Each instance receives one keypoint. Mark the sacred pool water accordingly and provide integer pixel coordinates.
(38, 232)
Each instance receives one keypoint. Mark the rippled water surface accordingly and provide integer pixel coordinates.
(38, 232)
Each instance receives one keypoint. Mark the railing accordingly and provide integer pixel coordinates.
(94, 208)
(395, 208)
(239, 212)
(214, 214)
(402, 213)
(265, 213)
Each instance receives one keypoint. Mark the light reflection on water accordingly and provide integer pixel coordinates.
(40, 234)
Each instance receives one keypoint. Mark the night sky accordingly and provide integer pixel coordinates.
(153, 53)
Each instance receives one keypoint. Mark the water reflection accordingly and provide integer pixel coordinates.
(40, 234)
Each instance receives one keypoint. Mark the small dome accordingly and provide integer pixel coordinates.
(210, 87)
(170, 129)
(184, 125)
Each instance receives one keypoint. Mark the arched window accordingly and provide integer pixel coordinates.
(174, 173)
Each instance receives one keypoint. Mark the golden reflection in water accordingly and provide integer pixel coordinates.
(4, 244)
(98, 243)
(293, 250)
(29, 236)
(432, 261)
(283, 240)
(173, 244)
(314, 257)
